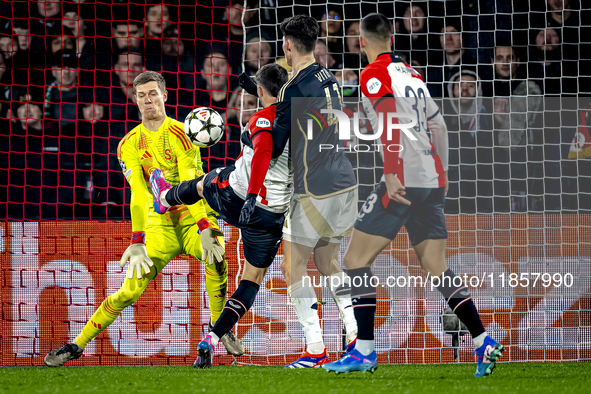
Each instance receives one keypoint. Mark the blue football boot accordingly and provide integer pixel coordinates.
(205, 353)
(354, 361)
(487, 356)
(309, 361)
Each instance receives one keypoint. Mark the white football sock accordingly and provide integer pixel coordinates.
(340, 289)
(364, 346)
(214, 338)
(303, 299)
(315, 348)
(163, 199)
(479, 340)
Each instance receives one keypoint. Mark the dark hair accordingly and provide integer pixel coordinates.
(272, 77)
(171, 32)
(377, 26)
(64, 59)
(303, 30)
(116, 23)
(149, 76)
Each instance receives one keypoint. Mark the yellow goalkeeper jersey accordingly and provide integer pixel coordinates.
(168, 149)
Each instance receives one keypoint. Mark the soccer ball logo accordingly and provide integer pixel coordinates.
(204, 127)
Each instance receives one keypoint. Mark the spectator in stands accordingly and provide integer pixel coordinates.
(508, 80)
(20, 28)
(128, 65)
(127, 34)
(237, 120)
(25, 138)
(83, 46)
(8, 47)
(545, 60)
(93, 154)
(322, 55)
(446, 62)
(47, 17)
(562, 15)
(353, 56)
(352, 38)
(259, 51)
(64, 42)
(470, 156)
(61, 97)
(78, 28)
(93, 112)
(157, 19)
(3, 70)
(27, 67)
(178, 69)
(233, 14)
(29, 116)
(509, 158)
(97, 142)
(216, 70)
(413, 29)
(331, 28)
(5, 85)
(466, 91)
(233, 34)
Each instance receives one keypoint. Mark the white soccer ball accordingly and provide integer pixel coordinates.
(204, 127)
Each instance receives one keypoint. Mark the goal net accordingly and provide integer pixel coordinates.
(512, 81)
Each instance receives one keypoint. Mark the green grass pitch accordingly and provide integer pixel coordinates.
(448, 378)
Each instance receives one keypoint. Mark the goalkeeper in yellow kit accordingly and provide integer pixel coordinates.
(158, 142)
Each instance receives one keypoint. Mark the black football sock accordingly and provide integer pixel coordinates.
(185, 193)
(236, 306)
(363, 298)
(460, 301)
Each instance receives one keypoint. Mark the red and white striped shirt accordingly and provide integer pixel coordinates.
(390, 85)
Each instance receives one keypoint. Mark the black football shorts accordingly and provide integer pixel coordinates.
(423, 219)
(262, 236)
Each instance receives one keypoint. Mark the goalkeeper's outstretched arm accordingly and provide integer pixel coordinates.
(138, 206)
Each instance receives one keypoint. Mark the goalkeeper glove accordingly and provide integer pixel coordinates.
(248, 84)
(138, 257)
(248, 208)
(212, 250)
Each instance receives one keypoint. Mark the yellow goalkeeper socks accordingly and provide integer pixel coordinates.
(104, 315)
(216, 284)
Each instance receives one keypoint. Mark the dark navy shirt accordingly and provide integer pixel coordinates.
(317, 173)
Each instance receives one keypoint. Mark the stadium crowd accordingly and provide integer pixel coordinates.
(503, 73)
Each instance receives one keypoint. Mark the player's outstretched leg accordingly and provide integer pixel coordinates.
(236, 306)
(166, 196)
(107, 313)
(158, 185)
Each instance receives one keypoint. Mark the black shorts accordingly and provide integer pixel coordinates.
(262, 236)
(423, 218)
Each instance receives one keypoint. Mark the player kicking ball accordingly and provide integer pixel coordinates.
(411, 194)
(324, 203)
(253, 195)
(158, 144)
